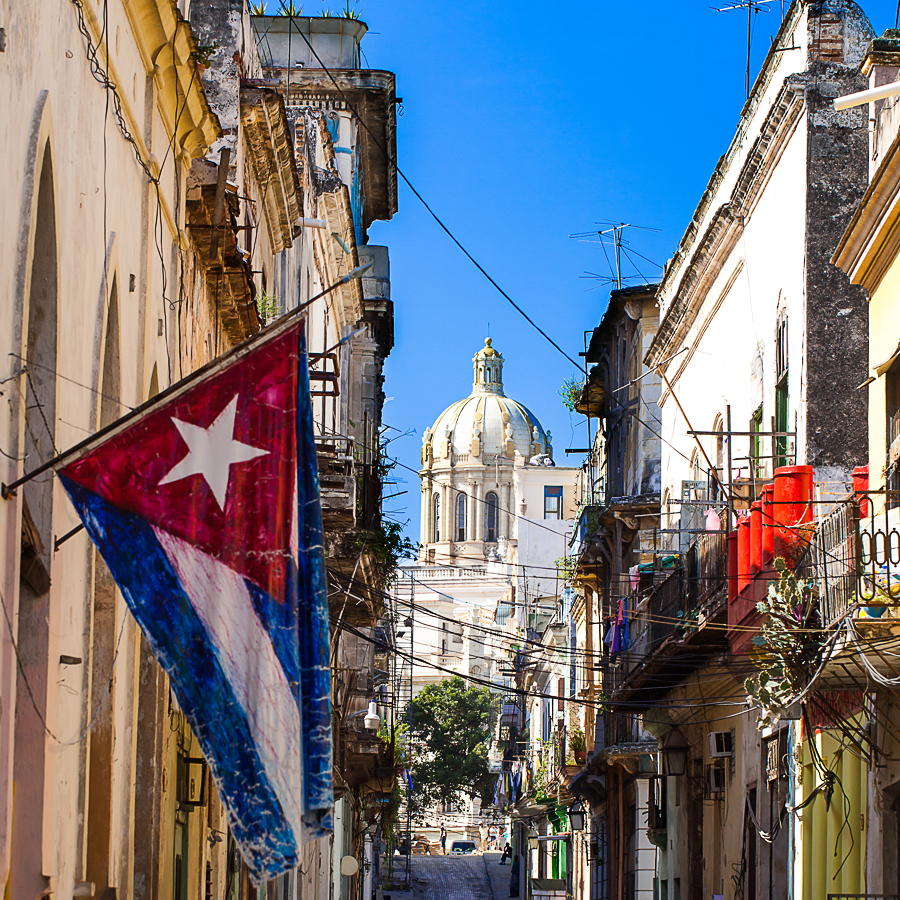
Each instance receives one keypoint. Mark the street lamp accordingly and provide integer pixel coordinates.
(532, 842)
(372, 719)
(576, 816)
(675, 753)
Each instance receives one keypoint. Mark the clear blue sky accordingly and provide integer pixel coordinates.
(523, 123)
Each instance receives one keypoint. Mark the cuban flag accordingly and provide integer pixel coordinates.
(206, 510)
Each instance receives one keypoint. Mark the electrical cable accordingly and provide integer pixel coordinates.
(30, 692)
(393, 162)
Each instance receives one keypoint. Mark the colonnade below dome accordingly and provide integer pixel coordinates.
(466, 517)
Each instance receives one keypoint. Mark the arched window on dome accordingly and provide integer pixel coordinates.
(487, 376)
(460, 517)
(491, 517)
(436, 518)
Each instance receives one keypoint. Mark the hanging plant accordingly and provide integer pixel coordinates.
(788, 646)
(570, 391)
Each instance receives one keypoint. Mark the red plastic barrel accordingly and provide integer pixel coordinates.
(860, 486)
(732, 544)
(768, 522)
(756, 529)
(743, 552)
(793, 506)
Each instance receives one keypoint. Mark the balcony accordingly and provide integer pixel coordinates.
(591, 398)
(509, 714)
(854, 563)
(225, 268)
(358, 752)
(350, 489)
(667, 623)
(557, 764)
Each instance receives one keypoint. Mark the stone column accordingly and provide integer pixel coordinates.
(446, 513)
(506, 511)
(479, 514)
(424, 534)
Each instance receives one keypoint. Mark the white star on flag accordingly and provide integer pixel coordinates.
(212, 452)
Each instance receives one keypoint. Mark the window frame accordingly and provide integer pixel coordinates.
(491, 511)
(460, 523)
(557, 497)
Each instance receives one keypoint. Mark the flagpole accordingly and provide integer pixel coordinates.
(9, 490)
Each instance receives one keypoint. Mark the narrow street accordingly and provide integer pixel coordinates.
(460, 877)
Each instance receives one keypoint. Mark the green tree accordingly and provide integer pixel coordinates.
(448, 740)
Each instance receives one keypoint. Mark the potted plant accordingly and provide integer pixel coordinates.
(577, 745)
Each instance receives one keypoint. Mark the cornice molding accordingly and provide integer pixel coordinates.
(726, 226)
(271, 153)
(871, 242)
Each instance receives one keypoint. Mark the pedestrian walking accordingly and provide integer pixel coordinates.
(443, 840)
(514, 878)
(482, 833)
(507, 853)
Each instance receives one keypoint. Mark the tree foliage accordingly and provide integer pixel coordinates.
(448, 741)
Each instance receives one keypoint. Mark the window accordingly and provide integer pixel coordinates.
(780, 443)
(719, 453)
(553, 502)
(460, 517)
(436, 518)
(756, 464)
(491, 509)
(892, 434)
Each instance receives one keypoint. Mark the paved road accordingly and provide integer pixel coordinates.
(459, 877)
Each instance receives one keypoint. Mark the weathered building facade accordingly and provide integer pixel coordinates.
(172, 199)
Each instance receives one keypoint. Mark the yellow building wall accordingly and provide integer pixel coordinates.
(884, 334)
(831, 837)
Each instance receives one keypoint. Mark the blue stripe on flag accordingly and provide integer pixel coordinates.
(182, 646)
(314, 631)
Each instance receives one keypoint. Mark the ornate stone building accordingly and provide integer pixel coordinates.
(468, 457)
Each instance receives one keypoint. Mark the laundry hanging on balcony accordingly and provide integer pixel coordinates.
(206, 510)
(619, 631)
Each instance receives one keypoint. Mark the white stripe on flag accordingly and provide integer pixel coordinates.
(222, 601)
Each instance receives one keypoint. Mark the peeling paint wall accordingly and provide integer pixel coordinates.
(836, 349)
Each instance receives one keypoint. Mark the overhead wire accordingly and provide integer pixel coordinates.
(393, 162)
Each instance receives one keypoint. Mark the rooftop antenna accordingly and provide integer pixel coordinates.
(612, 235)
(753, 7)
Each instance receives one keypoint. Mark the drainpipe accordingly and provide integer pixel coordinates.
(620, 878)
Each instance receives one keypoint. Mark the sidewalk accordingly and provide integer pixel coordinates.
(497, 874)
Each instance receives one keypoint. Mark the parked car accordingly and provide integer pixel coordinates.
(462, 847)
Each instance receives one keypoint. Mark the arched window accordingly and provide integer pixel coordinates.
(460, 517)
(491, 508)
(487, 376)
(436, 518)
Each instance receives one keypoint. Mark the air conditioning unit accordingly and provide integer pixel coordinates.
(721, 744)
(715, 780)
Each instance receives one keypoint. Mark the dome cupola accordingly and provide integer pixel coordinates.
(488, 365)
(486, 424)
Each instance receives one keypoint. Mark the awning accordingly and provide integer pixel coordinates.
(562, 836)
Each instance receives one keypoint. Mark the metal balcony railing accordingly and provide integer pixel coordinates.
(348, 480)
(854, 562)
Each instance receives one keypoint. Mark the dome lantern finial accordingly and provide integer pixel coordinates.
(488, 366)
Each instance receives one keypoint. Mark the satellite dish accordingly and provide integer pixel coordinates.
(349, 866)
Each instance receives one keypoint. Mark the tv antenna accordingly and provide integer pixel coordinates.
(753, 7)
(610, 234)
